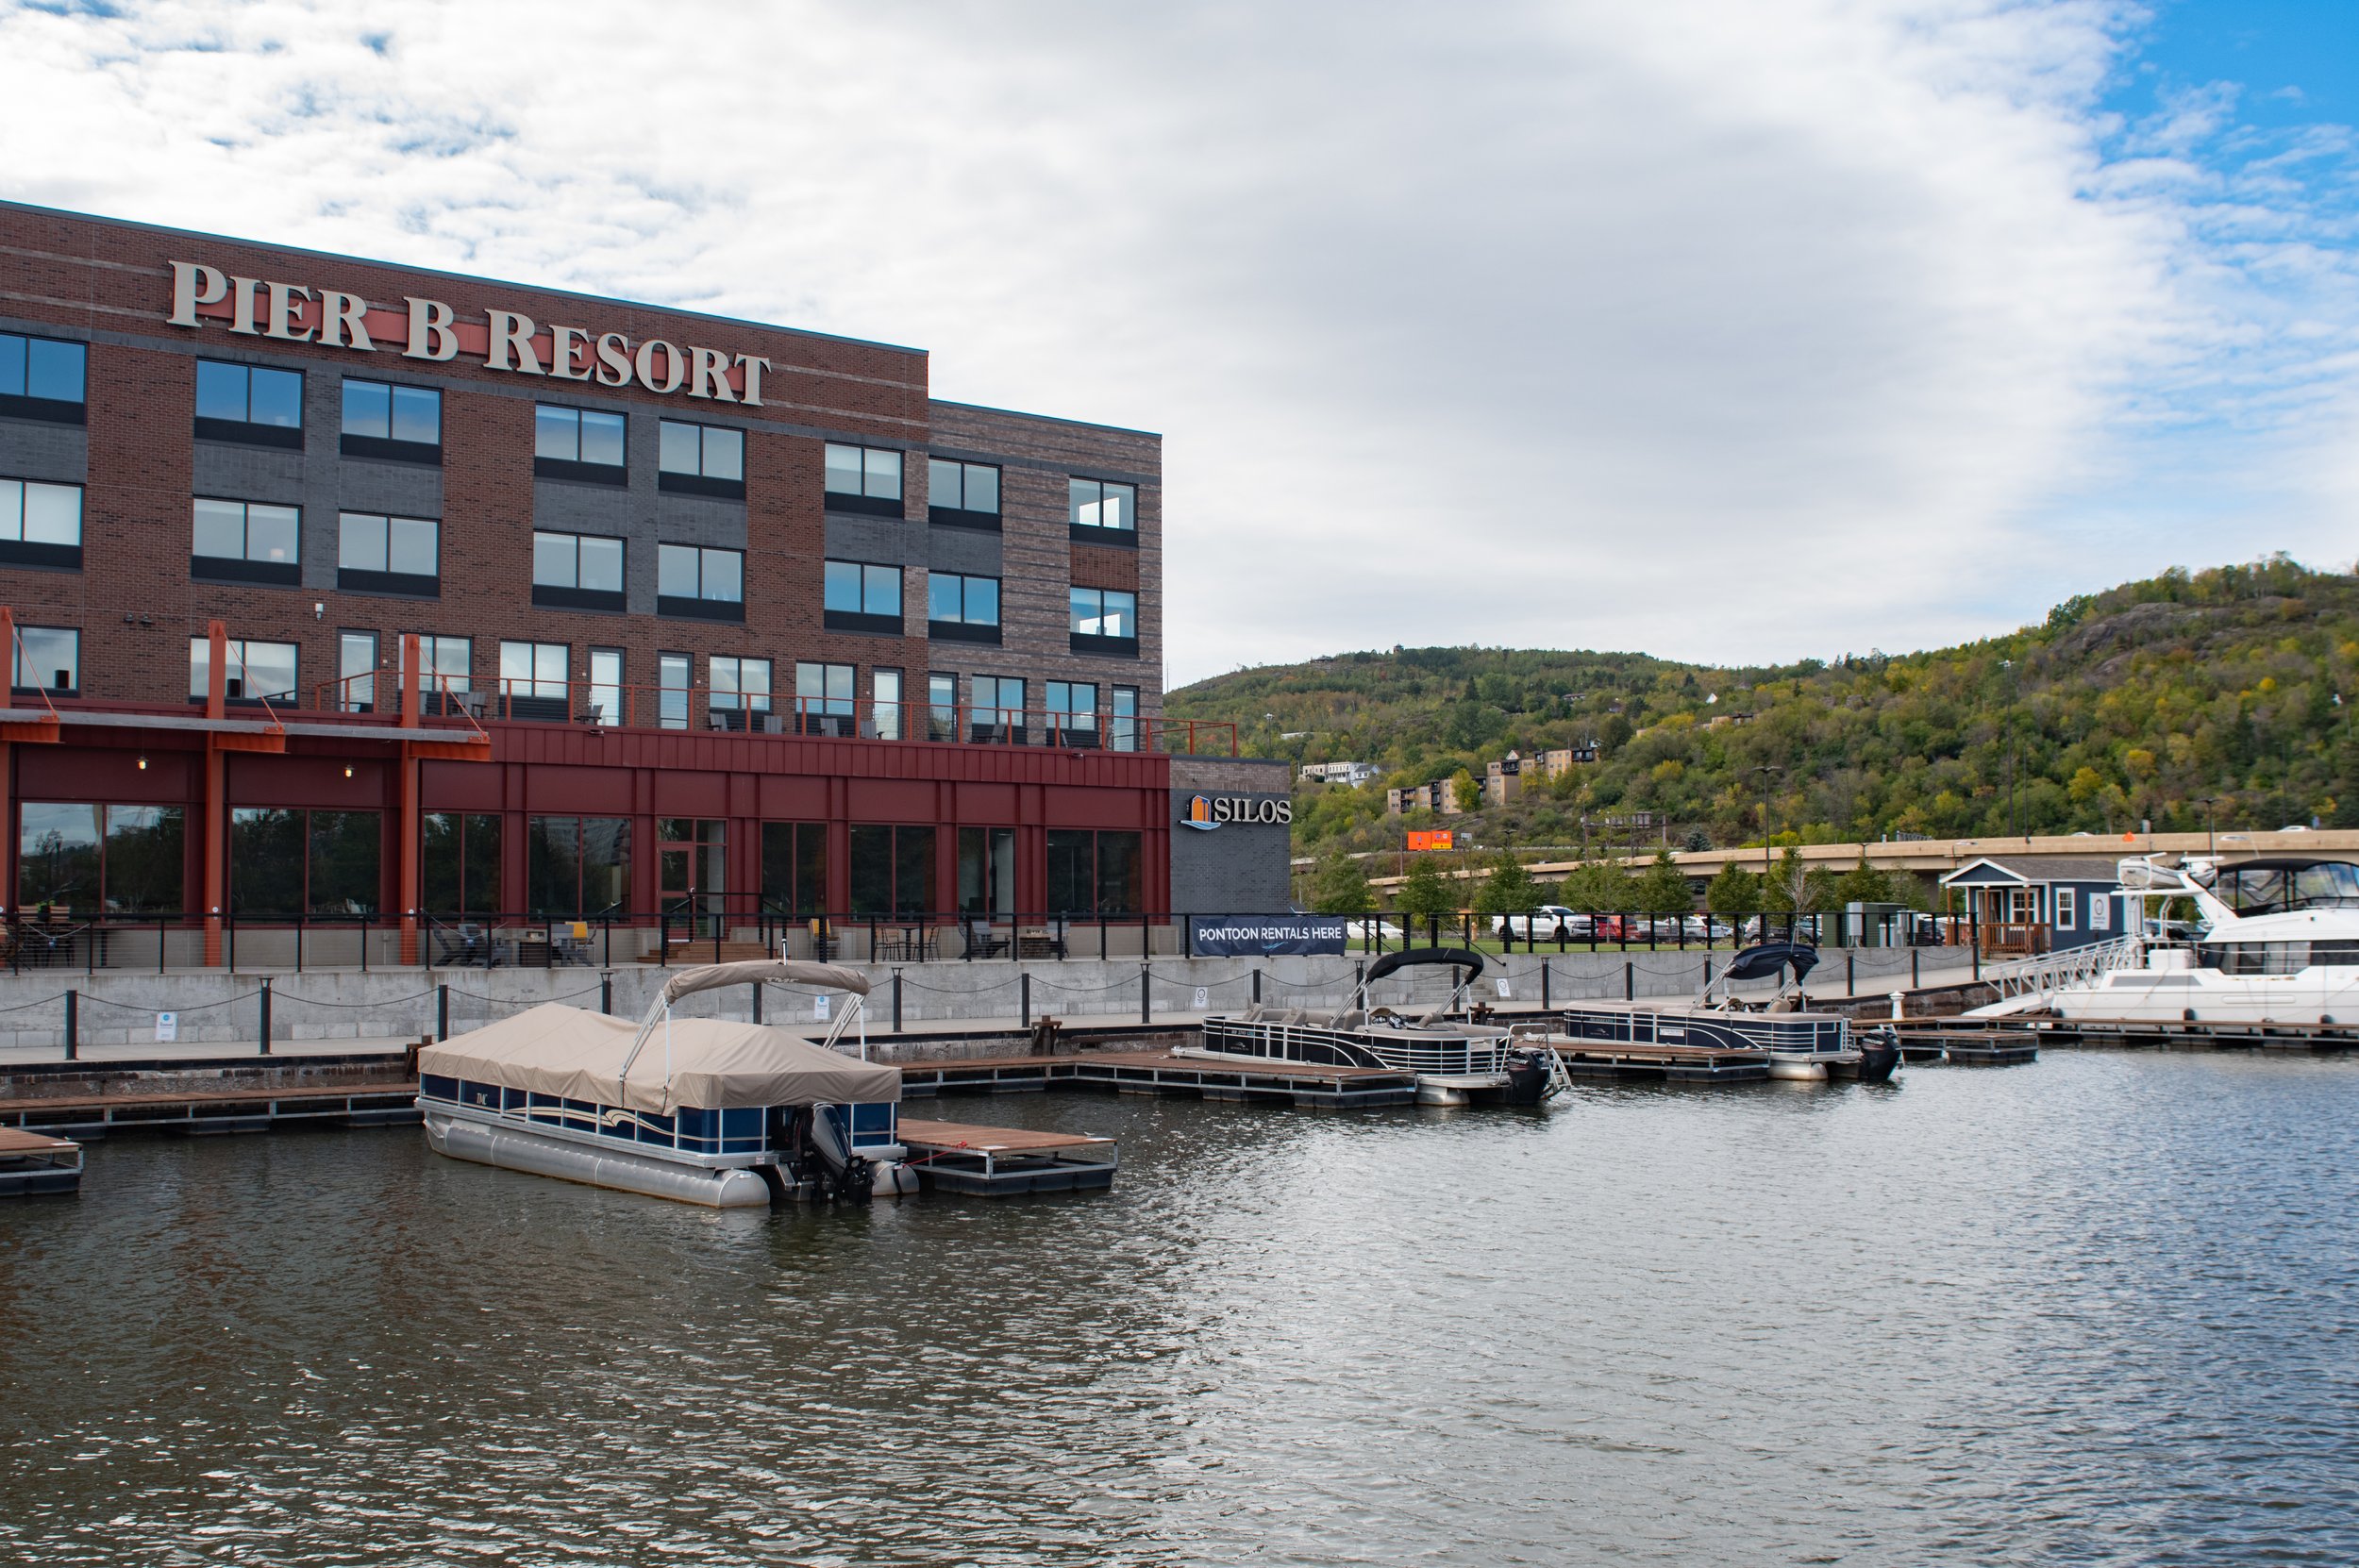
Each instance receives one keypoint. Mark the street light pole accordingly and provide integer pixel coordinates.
(2211, 836)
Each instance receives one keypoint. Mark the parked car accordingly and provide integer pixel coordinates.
(1541, 924)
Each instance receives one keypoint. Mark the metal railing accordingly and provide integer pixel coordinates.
(2066, 966)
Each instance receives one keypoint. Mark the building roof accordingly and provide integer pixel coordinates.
(2003, 869)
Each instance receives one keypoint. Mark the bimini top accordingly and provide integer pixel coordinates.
(1458, 957)
(1759, 962)
(714, 1063)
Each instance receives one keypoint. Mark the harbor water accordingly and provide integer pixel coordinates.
(2098, 1310)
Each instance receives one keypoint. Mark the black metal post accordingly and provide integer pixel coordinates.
(1101, 941)
(1915, 982)
(897, 1000)
(159, 945)
(1850, 973)
(1974, 931)
(1144, 998)
(441, 1010)
(755, 1004)
(73, 1026)
(298, 941)
(364, 944)
(266, 1011)
(1257, 987)
(606, 992)
(1544, 985)
(1630, 981)
(1024, 990)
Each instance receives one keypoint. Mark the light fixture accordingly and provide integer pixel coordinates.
(143, 764)
(347, 770)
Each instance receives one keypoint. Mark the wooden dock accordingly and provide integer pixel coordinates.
(1296, 1084)
(215, 1110)
(1650, 1064)
(962, 1156)
(33, 1162)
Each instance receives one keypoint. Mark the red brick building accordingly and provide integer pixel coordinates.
(357, 592)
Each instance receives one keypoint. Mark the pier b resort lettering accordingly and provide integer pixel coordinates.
(429, 330)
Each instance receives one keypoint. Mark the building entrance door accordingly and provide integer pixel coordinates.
(692, 859)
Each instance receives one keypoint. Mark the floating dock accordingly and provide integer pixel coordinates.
(32, 1163)
(960, 1157)
(1301, 1085)
(1650, 1064)
(215, 1110)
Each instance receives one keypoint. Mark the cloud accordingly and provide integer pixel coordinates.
(1716, 327)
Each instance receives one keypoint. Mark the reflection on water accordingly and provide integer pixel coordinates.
(2094, 1311)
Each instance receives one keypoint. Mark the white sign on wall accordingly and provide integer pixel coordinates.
(1203, 996)
(167, 1028)
(1504, 994)
(819, 1008)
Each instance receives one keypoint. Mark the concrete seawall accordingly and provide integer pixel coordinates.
(121, 1009)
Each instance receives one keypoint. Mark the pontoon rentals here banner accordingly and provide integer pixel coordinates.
(1222, 936)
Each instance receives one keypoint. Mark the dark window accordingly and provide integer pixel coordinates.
(987, 872)
(125, 860)
(864, 478)
(47, 658)
(823, 699)
(857, 597)
(964, 495)
(41, 379)
(1101, 511)
(246, 542)
(795, 869)
(256, 671)
(574, 443)
(962, 610)
(249, 403)
(389, 554)
(576, 571)
(700, 459)
(702, 583)
(288, 862)
(404, 423)
(461, 870)
(1093, 876)
(41, 525)
(1105, 621)
(577, 866)
(893, 872)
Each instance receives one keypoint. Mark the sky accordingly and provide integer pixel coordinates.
(1731, 330)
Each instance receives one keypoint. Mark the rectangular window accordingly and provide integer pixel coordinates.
(574, 443)
(533, 680)
(255, 672)
(288, 862)
(125, 859)
(823, 699)
(1101, 511)
(403, 423)
(860, 598)
(2067, 909)
(864, 478)
(1093, 876)
(964, 495)
(740, 690)
(246, 542)
(444, 666)
(673, 672)
(942, 708)
(700, 582)
(41, 379)
(41, 525)
(459, 874)
(356, 673)
(49, 658)
(885, 710)
(606, 686)
(700, 459)
(893, 872)
(987, 873)
(388, 554)
(577, 867)
(997, 711)
(1105, 621)
(795, 869)
(1072, 707)
(962, 610)
(249, 403)
(576, 571)
(1122, 729)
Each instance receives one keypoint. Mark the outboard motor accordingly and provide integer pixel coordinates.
(1878, 1055)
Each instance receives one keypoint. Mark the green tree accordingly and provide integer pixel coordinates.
(1786, 890)
(1508, 889)
(1464, 789)
(1734, 892)
(1863, 884)
(1423, 894)
(1661, 889)
(1601, 887)
(1341, 886)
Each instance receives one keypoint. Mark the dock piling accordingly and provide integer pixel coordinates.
(73, 1022)
(1630, 981)
(265, 1031)
(1145, 999)
(1023, 990)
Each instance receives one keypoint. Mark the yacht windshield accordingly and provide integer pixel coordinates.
(2270, 887)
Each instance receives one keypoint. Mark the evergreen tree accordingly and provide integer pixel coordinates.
(1601, 887)
(1341, 886)
(1863, 884)
(1423, 894)
(1662, 888)
(1734, 892)
(1508, 889)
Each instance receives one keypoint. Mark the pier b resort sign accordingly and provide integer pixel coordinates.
(430, 330)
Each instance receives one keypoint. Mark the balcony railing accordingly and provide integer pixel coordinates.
(589, 705)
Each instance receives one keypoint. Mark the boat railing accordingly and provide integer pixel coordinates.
(2065, 967)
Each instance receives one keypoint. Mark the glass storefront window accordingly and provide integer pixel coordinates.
(893, 871)
(577, 866)
(125, 859)
(57, 857)
(795, 868)
(460, 873)
(987, 871)
(1095, 875)
(288, 861)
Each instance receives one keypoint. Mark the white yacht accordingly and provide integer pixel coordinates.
(2281, 947)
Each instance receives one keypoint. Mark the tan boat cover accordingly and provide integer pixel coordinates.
(554, 1049)
(758, 970)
